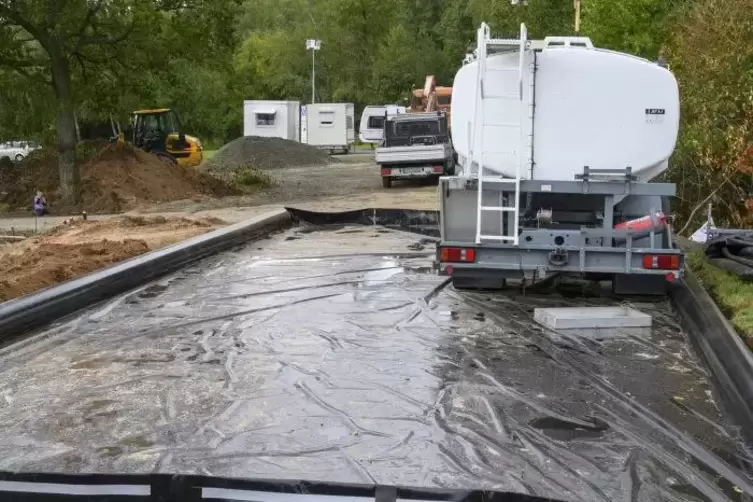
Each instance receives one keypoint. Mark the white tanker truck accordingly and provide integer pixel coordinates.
(557, 142)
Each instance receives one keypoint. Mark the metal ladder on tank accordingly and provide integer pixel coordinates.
(484, 43)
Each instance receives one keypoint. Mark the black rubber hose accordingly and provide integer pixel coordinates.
(729, 255)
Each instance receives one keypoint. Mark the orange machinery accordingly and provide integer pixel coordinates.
(431, 98)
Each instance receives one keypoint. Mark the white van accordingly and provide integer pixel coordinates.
(372, 121)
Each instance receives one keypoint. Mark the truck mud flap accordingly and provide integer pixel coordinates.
(38, 309)
(722, 350)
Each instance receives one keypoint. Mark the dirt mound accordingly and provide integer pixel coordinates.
(114, 178)
(39, 171)
(265, 153)
(121, 177)
(73, 250)
(128, 224)
(46, 264)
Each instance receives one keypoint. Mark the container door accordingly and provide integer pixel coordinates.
(350, 128)
(304, 124)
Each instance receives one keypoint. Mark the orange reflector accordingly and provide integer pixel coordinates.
(661, 261)
(461, 255)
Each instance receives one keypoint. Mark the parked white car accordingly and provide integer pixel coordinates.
(17, 150)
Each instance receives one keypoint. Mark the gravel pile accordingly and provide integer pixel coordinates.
(256, 152)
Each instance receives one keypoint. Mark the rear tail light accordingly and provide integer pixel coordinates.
(458, 255)
(438, 169)
(386, 171)
(661, 261)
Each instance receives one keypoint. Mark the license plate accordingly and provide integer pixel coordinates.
(412, 171)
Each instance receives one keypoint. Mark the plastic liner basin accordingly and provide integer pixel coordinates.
(338, 355)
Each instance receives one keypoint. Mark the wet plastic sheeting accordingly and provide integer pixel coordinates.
(339, 356)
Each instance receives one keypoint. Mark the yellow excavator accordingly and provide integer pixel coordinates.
(158, 131)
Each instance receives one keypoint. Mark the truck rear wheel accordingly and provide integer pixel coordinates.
(386, 182)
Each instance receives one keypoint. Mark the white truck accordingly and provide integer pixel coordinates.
(557, 142)
(415, 145)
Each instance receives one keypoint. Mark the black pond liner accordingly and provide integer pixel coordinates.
(412, 220)
(729, 360)
(198, 303)
(26, 313)
(32, 487)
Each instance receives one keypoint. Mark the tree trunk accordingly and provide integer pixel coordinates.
(78, 129)
(66, 130)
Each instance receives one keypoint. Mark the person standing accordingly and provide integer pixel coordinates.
(40, 204)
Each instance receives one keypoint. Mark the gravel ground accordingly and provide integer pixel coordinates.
(340, 185)
(349, 182)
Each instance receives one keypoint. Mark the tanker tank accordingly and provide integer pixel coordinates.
(557, 109)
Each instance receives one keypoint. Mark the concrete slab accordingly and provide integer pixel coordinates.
(591, 318)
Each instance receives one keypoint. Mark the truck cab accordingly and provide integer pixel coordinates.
(415, 145)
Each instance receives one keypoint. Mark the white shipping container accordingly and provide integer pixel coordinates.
(330, 126)
(272, 119)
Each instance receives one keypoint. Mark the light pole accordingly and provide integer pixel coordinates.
(313, 45)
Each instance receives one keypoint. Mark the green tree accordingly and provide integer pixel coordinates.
(274, 65)
(396, 71)
(542, 17)
(106, 56)
(26, 108)
(637, 27)
(42, 39)
(711, 53)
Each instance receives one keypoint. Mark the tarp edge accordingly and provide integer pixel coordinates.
(24, 314)
(721, 348)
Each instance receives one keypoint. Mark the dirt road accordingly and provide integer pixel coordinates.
(357, 181)
(351, 182)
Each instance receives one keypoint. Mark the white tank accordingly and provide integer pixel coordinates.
(582, 107)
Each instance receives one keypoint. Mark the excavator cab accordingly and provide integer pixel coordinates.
(158, 132)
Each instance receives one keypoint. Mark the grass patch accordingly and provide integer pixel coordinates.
(208, 154)
(733, 295)
(252, 177)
